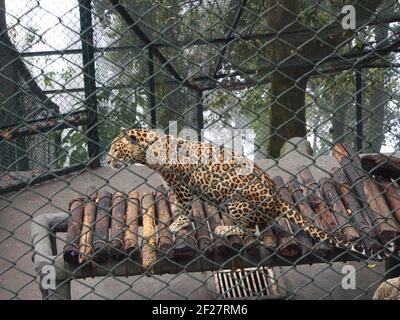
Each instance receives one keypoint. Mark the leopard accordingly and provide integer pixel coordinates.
(222, 176)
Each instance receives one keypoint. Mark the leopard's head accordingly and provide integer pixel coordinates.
(129, 147)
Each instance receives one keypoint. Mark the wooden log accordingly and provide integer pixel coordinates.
(368, 193)
(338, 210)
(300, 237)
(288, 246)
(378, 204)
(185, 241)
(356, 212)
(380, 165)
(117, 226)
(131, 244)
(71, 249)
(251, 247)
(89, 217)
(102, 224)
(391, 195)
(269, 240)
(202, 231)
(322, 249)
(385, 219)
(235, 241)
(316, 202)
(165, 240)
(149, 247)
(221, 247)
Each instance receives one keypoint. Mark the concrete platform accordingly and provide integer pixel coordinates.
(18, 279)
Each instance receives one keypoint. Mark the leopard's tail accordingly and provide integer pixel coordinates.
(314, 232)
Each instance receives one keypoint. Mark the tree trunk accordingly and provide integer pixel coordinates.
(376, 134)
(288, 113)
(339, 128)
(287, 117)
(288, 87)
(378, 101)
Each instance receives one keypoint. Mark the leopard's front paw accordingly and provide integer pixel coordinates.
(181, 222)
(226, 231)
(220, 231)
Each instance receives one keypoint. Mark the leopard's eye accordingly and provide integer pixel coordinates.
(133, 138)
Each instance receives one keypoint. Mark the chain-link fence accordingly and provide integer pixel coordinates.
(311, 89)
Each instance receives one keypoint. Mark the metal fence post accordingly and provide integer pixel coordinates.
(89, 77)
(152, 90)
(200, 110)
(359, 113)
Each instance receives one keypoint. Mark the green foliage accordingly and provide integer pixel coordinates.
(48, 78)
(323, 106)
(248, 109)
(74, 148)
(117, 108)
(31, 36)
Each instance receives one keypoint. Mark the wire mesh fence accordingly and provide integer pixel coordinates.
(306, 91)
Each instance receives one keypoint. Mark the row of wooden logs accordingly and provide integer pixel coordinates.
(362, 209)
(105, 225)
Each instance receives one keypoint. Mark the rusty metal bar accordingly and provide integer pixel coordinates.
(43, 125)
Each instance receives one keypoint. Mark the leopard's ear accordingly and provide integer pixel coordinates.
(125, 135)
(125, 140)
(124, 131)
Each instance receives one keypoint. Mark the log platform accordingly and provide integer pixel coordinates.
(134, 227)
